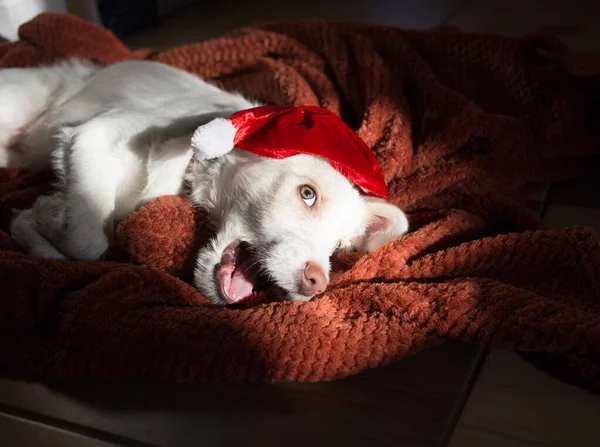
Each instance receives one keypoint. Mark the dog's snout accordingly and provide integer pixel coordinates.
(314, 280)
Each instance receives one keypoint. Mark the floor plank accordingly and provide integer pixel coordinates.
(514, 404)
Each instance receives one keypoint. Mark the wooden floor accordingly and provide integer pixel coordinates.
(452, 395)
(514, 404)
(414, 402)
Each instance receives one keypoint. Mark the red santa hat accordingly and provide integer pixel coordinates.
(281, 132)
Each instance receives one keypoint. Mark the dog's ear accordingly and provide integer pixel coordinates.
(384, 222)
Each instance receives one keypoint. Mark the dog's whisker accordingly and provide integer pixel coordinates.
(253, 264)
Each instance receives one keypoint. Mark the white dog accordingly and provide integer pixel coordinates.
(119, 136)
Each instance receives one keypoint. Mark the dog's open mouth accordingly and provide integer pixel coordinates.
(239, 273)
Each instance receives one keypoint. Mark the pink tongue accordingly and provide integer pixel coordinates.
(241, 282)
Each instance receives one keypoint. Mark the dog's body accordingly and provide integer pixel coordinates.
(119, 136)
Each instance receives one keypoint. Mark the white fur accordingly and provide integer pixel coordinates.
(119, 136)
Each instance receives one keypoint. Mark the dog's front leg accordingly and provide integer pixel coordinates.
(88, 158)
(76, 221)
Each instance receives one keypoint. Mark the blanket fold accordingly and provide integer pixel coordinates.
(464, 127)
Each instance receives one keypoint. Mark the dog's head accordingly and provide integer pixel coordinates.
(279, 221)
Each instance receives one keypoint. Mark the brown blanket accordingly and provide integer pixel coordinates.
(463, 125)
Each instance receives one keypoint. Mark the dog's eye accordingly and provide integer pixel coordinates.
(308, 195)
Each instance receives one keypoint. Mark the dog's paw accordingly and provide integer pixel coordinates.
(24, 230)
(81, 239)
(48, 214)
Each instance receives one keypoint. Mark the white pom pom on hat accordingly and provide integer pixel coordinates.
(214, 139)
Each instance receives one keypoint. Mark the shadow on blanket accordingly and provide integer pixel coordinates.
(464, 126)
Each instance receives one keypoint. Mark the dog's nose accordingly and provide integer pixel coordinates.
(314, 280)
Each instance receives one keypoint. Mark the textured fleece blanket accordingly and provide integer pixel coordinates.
(464, 126)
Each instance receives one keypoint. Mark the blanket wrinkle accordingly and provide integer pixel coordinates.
(465, 127)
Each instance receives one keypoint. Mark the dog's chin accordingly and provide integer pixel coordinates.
(285, 295)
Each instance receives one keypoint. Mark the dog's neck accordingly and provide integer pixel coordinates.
(203, 179)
